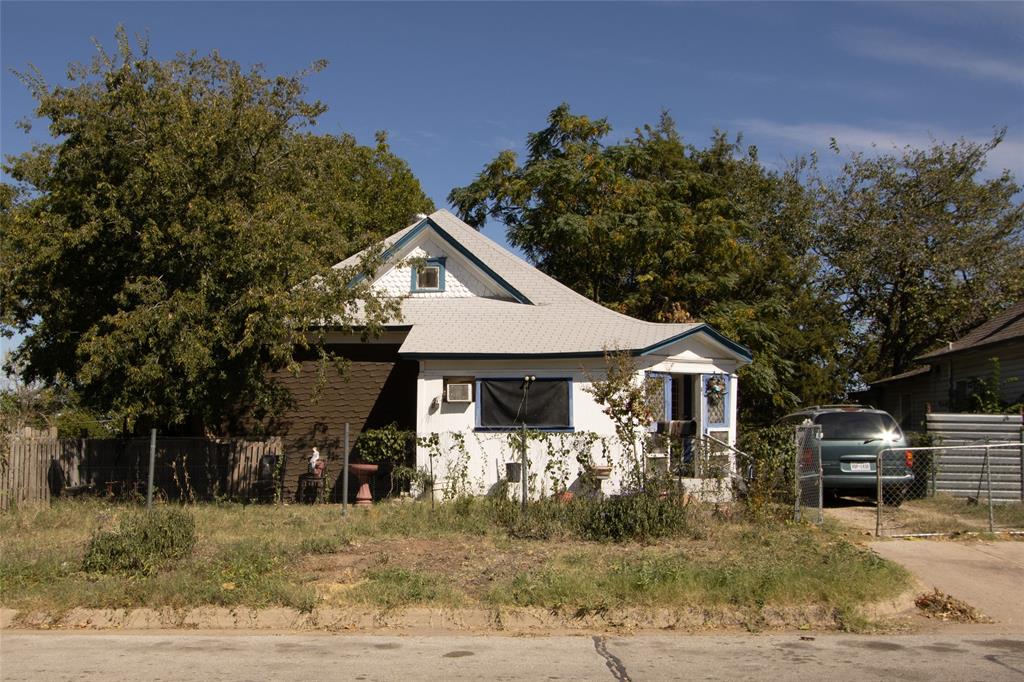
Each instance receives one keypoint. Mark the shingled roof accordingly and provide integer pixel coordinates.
(538, 317)
(1005, 326)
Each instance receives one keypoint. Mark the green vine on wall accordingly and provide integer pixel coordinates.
(629, 404)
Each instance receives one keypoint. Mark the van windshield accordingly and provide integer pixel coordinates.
(857, 426)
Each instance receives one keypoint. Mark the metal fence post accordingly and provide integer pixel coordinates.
(988, 479)
(279, 475)
(152, 463)
(797, 447)
(433, 483)
(933, 470)
(879, 500)
(344, 475)
(522, 455)
(821, 478)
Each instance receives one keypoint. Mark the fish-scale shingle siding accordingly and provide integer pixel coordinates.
(376, 389)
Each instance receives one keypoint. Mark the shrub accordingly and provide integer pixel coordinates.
(385, 445)
(545, 519)
(768, 468)
(142, 542)
(639, 517)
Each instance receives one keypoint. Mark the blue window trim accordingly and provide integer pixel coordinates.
(505, 429)
(728, 398)
(414, 284)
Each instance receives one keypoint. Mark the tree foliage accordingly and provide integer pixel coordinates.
(172, 242)
(918, 248)
(666, 231)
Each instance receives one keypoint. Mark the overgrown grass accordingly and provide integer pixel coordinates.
(1005, 514)
(783, 567)
(953, 515)
(142, 542)
(472, 552)
(390, 587)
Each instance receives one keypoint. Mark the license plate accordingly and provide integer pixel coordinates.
(860, 466)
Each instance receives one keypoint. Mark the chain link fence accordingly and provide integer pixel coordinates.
(808, 473)
(940, 490)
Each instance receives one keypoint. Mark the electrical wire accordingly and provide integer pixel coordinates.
(524, 403)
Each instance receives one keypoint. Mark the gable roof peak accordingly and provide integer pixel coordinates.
(544, 316)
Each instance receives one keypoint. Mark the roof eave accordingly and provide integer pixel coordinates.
(741, 351)
(944, 352)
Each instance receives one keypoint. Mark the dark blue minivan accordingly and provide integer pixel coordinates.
(851, 438)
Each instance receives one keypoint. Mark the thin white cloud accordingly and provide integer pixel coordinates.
(499, 143)
(816, 136)
(893, 47)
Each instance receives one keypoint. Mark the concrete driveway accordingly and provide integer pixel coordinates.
(987, 575)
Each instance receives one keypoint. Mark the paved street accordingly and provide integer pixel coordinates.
(181, 656)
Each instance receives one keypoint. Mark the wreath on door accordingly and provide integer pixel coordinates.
(714, 389)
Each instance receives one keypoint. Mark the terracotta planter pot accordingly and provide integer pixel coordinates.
(565, 497)
(363, 472)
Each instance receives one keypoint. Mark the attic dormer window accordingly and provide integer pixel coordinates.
(428, 277)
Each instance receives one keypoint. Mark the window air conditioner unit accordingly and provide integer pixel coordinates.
(459, 393)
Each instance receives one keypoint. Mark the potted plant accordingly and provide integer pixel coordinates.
(386, 445)
(419, 480)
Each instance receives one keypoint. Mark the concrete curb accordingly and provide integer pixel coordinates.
(462, 620)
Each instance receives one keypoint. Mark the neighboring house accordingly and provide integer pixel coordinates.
(476, 320)
(948, 376)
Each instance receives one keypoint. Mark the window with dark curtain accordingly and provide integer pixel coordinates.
(504, 404)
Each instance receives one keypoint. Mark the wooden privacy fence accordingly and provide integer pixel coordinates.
(33, 470)
(25, 471)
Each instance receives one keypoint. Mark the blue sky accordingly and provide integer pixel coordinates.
(455, 83)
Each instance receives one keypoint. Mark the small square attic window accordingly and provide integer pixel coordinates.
(429, 276)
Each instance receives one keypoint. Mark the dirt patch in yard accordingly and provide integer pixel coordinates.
(471, 566)
(858, 515)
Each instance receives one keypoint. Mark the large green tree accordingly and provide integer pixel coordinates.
(171, 244)
(666, 231)
(919, 248)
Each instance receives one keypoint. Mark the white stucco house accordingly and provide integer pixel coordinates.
(476, 320)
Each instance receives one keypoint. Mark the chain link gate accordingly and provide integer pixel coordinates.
(953, 489)
(808, 473)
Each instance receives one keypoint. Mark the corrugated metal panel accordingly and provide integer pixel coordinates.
(938, 419)
(962, 472)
